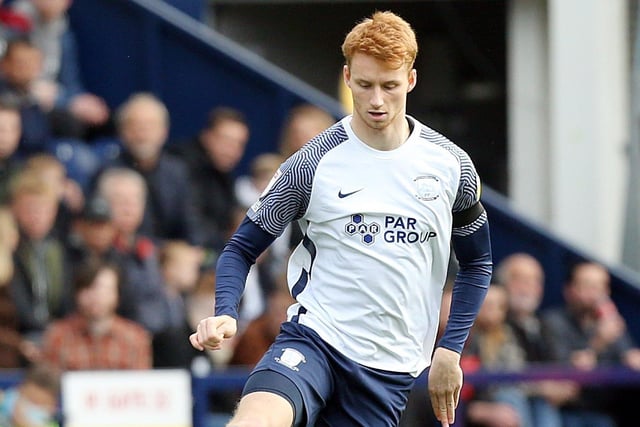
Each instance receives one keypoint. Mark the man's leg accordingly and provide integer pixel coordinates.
(262, 409)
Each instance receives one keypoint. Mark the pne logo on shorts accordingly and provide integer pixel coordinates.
(291, 358)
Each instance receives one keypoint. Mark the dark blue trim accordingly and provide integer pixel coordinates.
(233, 265)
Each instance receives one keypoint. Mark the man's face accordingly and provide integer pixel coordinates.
(35, 214)
(10, 131)
(144, 130)
(97, 235)
(225, 144)
(525, 285)
(99, 301)
(590, 285)
(379, 92)
(22, 65)
(127, 202)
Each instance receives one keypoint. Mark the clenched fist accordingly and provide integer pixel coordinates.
(212, 331)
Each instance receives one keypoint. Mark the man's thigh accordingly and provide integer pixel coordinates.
(296, 369)
(263, 408)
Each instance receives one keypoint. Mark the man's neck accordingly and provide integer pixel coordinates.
(387, 139)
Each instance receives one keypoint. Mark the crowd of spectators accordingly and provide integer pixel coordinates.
(109, 266)
(113, 268)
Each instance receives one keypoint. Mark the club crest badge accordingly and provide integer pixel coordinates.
(427, 187)
(291, 358)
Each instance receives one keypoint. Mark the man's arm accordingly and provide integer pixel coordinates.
(237, 257)
(472, 245)
(233, 265)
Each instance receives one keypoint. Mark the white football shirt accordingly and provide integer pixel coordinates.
(369, 273)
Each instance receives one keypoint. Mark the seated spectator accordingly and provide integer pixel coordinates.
(19, 69)
(212, 158)
(51, 33)
(143, 290)
(494, 345)
(40, 286)
(586, 333)
(10, 133)
(303, 123)
(70, 195)
(92, 233)
(523, 278)
(34, 401)
(12, 24)
(249, 187)
(180, 264)
(94, 336)
(143, 126)
(12, 346)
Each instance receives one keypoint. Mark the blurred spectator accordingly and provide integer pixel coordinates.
(180, 264)
(92, 233)
(523, 278)
(493, 343)
(143, 125)
(13, 349)
(143, 290)
(10, 132)
(212, 158)
(586, 333)
(94, 336)
(19, 69)
(11, 24)
(303, 123)
(60, 75)
(34, 401)
(249, 187)
(40, 286)
(262, 331)
(69, 193)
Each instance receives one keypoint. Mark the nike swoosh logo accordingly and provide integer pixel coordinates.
(343, 195)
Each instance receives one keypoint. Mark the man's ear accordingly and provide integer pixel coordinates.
(346, 75)
(413, 79)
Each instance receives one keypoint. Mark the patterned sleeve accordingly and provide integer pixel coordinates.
(468, 213)
(286, 198)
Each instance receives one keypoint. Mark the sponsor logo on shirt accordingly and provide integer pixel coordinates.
(396, 229)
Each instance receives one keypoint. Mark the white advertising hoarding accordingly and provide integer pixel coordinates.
(153, 398)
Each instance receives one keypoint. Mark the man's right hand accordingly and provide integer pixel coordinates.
(212, 331)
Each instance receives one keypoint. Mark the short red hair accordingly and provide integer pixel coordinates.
(386, 37)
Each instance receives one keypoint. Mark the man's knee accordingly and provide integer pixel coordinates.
(262, 409)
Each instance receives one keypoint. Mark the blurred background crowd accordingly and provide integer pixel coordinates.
(110, 263)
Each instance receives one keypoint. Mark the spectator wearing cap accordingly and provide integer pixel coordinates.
(92, 236)
(92, 231)
(125, 191)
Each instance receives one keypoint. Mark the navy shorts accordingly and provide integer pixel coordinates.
(324, 387)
